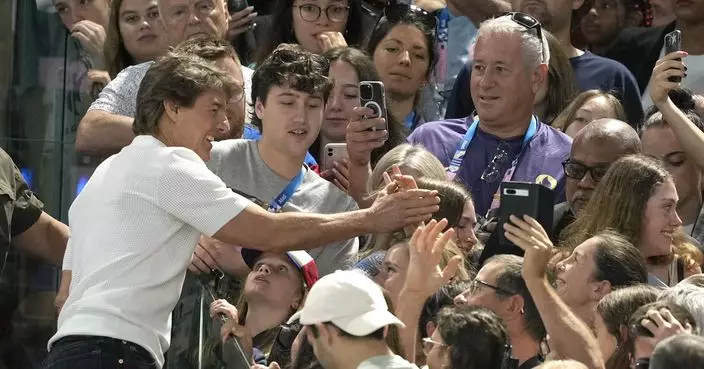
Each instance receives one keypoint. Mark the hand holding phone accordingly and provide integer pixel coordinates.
(673, 42)
(373, 96)
(334, 152)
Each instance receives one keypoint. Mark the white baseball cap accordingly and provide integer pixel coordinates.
(349, 300)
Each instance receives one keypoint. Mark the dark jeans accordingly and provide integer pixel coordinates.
(95, 352)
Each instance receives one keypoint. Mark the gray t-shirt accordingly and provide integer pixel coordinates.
(239, 165)
(386, 362)
(120, 95)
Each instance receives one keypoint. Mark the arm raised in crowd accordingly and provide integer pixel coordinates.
(278, 232)
(688, 134)
(479, 10)
(570, 336)
(361, 141)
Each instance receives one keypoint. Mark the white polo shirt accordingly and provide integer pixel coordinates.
(134, 228)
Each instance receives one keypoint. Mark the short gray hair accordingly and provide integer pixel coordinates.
(535, 51)
(689, 297)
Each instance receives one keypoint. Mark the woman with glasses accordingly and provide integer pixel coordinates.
(402, 46)
(637, 198)
(316, 25)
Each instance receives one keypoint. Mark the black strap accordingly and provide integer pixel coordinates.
(680, 269)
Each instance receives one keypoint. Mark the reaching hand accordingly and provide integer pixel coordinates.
(202, 261)
(339, 175)
(232, 328)
(396, 208)
(530, 236)
(665, 68)
(223, 307)
(662, 325)
(360, 139)
(424, 275)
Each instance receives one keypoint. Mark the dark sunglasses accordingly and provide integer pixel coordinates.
(395, 12)
(529, 22)
(578, 171)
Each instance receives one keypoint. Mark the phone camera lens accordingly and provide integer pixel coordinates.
(511, 192)
(366, 92)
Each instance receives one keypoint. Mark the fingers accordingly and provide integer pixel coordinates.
(396, 171)
(518, 241)
(432, 236)
(244, 23)
(242, 14)
(414, 239)
(419, 193)
(451, 268)
(655, 317)
(441, 243)
(675, 55)
(387, 179)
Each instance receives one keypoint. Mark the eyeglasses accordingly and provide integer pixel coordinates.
(428, 345)
(395, 12)
(493, 170)
(311, 12)
(578, 171)
(529, 22)
(475, 286)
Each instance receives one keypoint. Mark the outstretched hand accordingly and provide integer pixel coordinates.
(530, 236)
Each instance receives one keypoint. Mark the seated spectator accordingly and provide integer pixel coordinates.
(611, 324)
(443, 137)
(674, 133)
(654, 322)
(507, 142)
(273, 291)
(468, 337)
(134, 35)
(594, 149)
(272, 169)
(86, 22)
(606, 19)
(598, 266)
(637, 198)
(345, 318)
(640, 48)
(317, 26)
(591, 71)
(348, 67)
(500, 287)
(107, 127)
(402, 46)
(587, 107)
(680, 351)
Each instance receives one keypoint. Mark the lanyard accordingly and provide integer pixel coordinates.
(280, 200)
(410, 120)
(442, 32)
(467, 140)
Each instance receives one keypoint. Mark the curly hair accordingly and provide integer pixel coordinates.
(289, 65)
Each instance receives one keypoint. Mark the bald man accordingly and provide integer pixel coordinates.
(594, 148)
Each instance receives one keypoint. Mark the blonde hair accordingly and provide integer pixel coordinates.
(413, 160)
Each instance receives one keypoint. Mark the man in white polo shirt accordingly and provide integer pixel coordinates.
(345, 318)
(136, 223)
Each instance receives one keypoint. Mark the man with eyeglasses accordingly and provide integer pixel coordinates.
(504, 141)
(500, 287)
(595, 148)
(107, 127)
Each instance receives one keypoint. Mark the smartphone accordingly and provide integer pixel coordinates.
(234, 6)
(519, 199)
(334, 152)
(673, 42)
(372, 95)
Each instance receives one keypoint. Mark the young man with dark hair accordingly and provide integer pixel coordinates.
(289, 90)
(345, 318)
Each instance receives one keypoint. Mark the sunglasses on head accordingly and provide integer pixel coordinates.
(529, 22)
(395, 12)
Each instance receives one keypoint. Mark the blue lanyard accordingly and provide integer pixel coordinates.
(411, 120)
(469, 136)
(282, 198)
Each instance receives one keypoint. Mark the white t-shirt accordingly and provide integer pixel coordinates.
(386, 362)
(134, 228)
(694, 80)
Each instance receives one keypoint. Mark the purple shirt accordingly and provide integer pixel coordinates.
(541, 161)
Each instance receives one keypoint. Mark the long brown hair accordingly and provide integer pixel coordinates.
(619, 203)
(116, 56)
(561, 81)
(567, 116)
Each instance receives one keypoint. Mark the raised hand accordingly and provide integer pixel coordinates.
(331, 40)
(91, 36)
(530, 236)
(361, 141)
(339, 175)
(424, 275)
(665, 68)
(223, 307)
(395, 208)
(241, 22)
(662, 325)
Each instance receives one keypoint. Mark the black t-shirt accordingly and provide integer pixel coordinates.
(532, 362)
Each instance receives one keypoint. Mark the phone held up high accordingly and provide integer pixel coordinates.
(673, 42)
(334, 152)
(519, 198)
(372, 95)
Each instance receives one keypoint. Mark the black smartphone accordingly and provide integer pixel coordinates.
(372, 95)
(519, 199)
(673, 42)
(234, 6)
